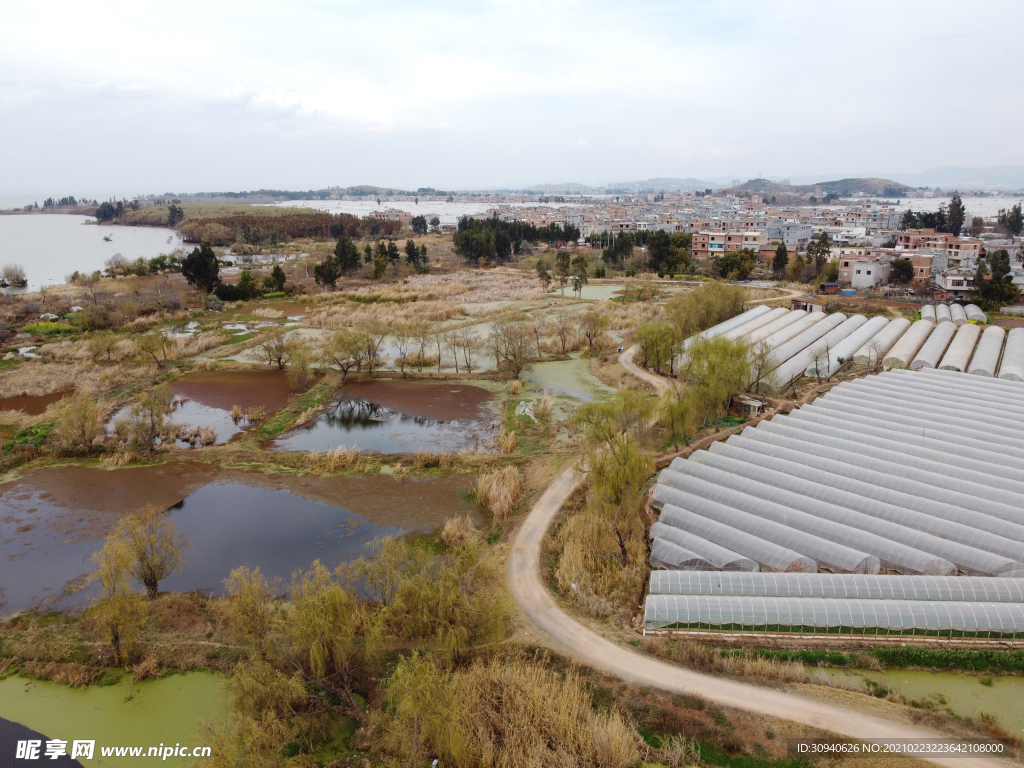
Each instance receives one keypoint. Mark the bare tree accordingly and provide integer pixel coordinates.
(403, 334)
(451, 340)
(515, 345)
(275, 346)
(539, 327)
(469, 342)
(593, 323)
(563, 328)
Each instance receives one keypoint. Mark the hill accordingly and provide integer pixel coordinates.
(868, 187)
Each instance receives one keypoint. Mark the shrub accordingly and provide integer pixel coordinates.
(33, 436)
(275, 295)
(47, 329)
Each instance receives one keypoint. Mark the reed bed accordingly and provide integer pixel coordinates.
(268, 313)
(499, 491)
(506, 442)
(341, 458)
(41, 378)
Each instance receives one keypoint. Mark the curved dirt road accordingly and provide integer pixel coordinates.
(660, 383)
(595, 651)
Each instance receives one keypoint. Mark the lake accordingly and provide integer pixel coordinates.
(52, 246)
(448, 213)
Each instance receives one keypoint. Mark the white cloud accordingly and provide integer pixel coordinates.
(236, 95)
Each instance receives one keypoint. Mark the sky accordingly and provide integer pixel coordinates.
(125, 98)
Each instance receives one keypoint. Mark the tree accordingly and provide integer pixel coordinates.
(955, 215)
(435, 224)
(120, 611)
(781, 261)
(563, 268)
(993, 282)
(419, 225)
(146, 423)
(345, 350)
(156, 345)
(102, 344)
(252, 605)
(1012, 221)
(415, 257)
(737, 264)
(380, 265)
(579, 273)
(977, 226)
(513, 345)
(593, 323)
(200, 268)
(175, 215)
(157, 546)
(274, 344)
(542, 273)
(902, 271)
(14, 275)
(328, 271)
(393, 255)
(563, 328)
(79, 423)
(278, 278)
(347, 254)
(818, 251)
(248, 286)
(656, 340)
(659, 251)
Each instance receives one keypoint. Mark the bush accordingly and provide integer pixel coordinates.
(275, 295)
(96, 317)
(47, 329)
(599, 272)
(33, 436)
(500, 491)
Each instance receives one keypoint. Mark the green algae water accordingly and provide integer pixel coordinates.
(144, 714)
(964, 695)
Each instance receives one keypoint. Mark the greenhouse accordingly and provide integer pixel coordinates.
(970, 589)
(902, 487)
(929, 618)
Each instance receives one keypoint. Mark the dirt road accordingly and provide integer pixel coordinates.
(658, 382)
(579, 642)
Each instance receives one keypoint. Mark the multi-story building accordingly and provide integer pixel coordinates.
(712, 244)
(955, 282)
(956, 247)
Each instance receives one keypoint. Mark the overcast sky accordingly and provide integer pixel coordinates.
(126, 98)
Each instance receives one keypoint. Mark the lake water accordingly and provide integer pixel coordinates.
(53, 519)
(52, 246)
(448, 213)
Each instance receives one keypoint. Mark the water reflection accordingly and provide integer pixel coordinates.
(367, 426)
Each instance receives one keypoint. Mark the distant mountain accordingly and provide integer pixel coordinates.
(950, 177)
(841, 188)
(569, 188)
(663, 185)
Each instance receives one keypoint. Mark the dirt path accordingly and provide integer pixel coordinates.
(660, 383)
(579, 642)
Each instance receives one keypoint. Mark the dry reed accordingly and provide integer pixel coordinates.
(506, 442)
(500, 491)
(270, 314)
(341, 458)
(38, 378)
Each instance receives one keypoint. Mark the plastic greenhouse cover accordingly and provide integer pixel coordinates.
(961, 348)
(875, 348)
(837, 557)
(974, 314)
(766, 331)
(909, 344)
(928, 312)
(904, 539)
(845, 349)
(950, 378)
(978, 589)
(867, 476)
(987, 393)
(665, 554)
(732, 458)
(728, 325)
(755, 323)
(887, 463)
(985, 361)
(823, 613)
(780, 337)
(930, 354)
(769, 556)
(719, 557)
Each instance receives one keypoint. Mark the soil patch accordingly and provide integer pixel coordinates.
(435, 401)
(33, 405)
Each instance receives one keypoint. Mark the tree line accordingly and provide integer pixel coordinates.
(493, 239)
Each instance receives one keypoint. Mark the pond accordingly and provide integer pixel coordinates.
(32, 405)
(53, 519)
(963, 694)
(207, 398)
(399, 417)
(571, 378)
(168, 711)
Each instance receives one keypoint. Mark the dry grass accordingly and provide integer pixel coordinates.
(145, 669)
(340, 459)
(500, 491)
(506, 442)
(457, 531)
(270, 314)
(37, 378)
(70, 674)
(118, 459)
(190, 346)
(501, 284)
(351, 314)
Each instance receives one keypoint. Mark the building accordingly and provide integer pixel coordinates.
(794, 234)
(956, 283)
(713, 244)
(960, 248)
(861, 272)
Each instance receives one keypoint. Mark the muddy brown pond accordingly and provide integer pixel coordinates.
(206, 399)
(32, 405)
(52, 520)
(399, 417)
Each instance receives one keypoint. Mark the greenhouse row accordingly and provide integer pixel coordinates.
(902, 487)
(800, 343)
(943, 619)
